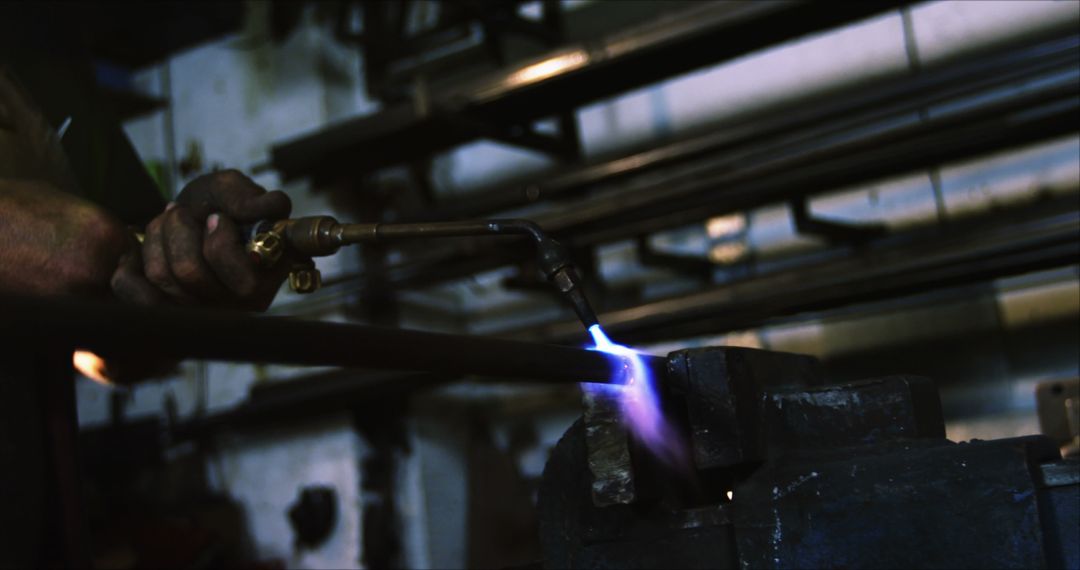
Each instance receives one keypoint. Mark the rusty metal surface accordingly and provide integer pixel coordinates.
(608, 444)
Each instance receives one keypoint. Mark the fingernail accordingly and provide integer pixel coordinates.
(212, 222)
(170, 206)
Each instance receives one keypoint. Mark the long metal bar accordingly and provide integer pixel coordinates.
(815, 166)
(780, 170)
(1043, 236)
(786, 178)
(868, 103)
(564, 79)
(114, 329)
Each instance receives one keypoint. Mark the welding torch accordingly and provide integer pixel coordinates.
(298, 240)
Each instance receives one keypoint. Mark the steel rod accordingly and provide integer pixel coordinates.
(853, 107)
(785, 167)
(112, 329)
(1042, 236)
(612, 65)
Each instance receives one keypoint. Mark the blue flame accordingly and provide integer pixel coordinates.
(640, 404)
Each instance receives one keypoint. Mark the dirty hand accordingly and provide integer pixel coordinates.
(193, 251)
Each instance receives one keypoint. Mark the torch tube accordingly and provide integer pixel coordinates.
(323, 235)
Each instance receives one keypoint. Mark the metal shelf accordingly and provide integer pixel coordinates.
(503, 105)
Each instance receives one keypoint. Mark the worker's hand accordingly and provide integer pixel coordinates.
(194, 253)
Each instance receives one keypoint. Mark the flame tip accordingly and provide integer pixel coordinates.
(640, 406)
(92, 366)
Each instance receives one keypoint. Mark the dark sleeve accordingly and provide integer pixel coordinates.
(107, 168)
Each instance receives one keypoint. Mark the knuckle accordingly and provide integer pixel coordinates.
(157, 274)
(187, 271)
(283, 202)
(229, 177)
(180, 215)
(118, 282)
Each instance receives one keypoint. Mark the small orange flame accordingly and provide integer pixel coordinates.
(92, 366)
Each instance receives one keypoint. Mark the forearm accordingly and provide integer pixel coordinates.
(55, 243)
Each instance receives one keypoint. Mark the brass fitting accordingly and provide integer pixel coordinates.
(305, 277)
(312, 236)
(302, 237)
(266, 248)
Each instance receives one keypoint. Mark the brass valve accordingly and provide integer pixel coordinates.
(304, 277)
(266, 248)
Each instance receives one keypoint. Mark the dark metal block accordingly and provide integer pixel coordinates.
(927, 504)
(575, 533)
(1059, 507)
(723, 388)
(859, 413)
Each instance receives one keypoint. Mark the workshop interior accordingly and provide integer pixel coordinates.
(581, 284)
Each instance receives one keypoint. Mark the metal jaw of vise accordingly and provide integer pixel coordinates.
(788, 472)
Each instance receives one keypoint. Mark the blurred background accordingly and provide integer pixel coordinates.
(889, 187)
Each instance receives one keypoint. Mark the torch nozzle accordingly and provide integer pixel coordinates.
(581, 306)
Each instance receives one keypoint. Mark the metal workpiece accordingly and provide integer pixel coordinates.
(607, 439)
(113, 329)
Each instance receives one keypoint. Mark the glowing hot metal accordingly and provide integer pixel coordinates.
(640, 403)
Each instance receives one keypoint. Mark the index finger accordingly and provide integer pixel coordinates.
(231, 193)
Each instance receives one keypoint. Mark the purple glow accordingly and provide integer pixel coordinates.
(640, 405)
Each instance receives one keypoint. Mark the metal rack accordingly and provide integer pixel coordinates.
(987, 102)
(502, 106)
